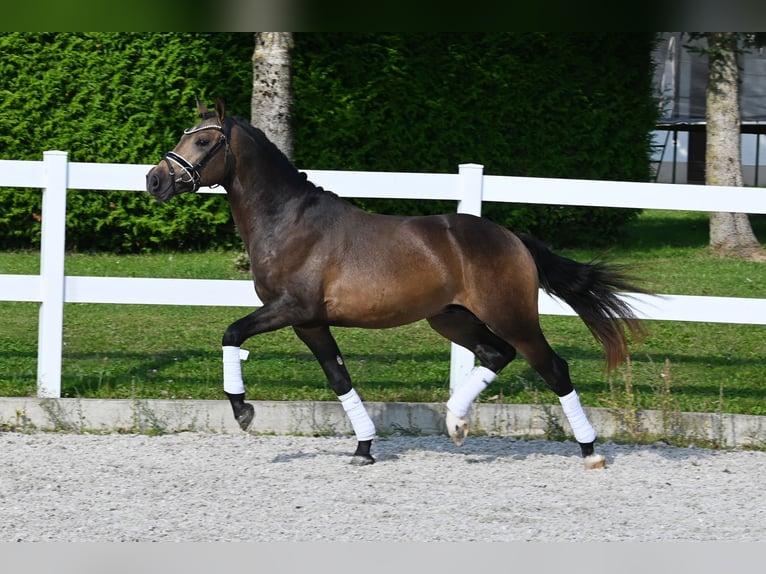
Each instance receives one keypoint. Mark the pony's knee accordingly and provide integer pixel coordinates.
(233, 336)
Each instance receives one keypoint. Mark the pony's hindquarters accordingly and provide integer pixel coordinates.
(500, 291)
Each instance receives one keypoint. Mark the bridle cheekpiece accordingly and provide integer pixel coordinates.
(190, 171)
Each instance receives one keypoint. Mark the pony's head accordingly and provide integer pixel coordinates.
(199, 159)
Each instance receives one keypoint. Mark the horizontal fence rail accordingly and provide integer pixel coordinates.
(469, 187)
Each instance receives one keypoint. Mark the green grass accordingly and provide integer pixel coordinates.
(138, 351)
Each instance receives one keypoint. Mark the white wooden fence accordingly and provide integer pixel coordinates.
(470, 187)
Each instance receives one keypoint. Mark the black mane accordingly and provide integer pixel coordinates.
(279, 159)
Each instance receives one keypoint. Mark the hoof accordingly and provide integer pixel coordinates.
(246, 416)
(362, 460)
(457, 428)
(595, 461)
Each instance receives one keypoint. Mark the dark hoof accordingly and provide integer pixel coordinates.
(246, 416)
(362, 460)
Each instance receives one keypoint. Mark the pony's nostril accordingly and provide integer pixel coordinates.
(153, 182)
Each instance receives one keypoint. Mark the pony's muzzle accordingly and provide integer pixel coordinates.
(158, 184)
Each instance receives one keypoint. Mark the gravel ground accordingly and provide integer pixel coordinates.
(207, 487)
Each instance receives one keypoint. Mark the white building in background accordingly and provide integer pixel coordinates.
(679, 142)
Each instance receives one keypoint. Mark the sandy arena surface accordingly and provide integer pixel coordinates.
(208, 487)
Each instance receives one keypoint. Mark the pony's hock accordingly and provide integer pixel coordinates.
(320, 262)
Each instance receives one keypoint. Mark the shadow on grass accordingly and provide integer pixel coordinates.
(148, 361)
(686, 229)
(98, 374)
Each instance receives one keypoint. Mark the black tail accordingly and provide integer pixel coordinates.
(591, 290)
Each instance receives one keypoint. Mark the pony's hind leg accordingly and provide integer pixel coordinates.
(494, 352)
(555, 372)
(325, 349)
(463, 328)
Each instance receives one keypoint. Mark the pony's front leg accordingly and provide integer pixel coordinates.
(364, 428)
(268, 318)
(234, 386)
(325, 349)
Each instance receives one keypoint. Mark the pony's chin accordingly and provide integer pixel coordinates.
(161, 198)
(164, 195)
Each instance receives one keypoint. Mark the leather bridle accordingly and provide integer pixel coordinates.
(191, 171)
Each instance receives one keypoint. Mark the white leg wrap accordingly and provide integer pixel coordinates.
(583, 431)
(363, 426)
(466, 393)
(232, 370)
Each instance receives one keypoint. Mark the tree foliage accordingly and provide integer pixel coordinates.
(571, 105)
(533, 104)
(115, 98)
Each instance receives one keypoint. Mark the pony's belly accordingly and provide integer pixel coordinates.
(381, 312)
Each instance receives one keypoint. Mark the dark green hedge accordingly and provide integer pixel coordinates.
(530, 104)
(554, 105)
(117, 98)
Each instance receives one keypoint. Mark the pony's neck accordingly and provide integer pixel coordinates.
(265, 191)
(261, 168)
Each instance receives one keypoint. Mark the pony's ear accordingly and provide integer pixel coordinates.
(220, 110)
(201, 109)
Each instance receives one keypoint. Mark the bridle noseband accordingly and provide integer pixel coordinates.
(192, 171)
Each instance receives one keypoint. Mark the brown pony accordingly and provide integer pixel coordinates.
(319, 262)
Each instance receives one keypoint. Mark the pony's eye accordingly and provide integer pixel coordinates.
(202, 142)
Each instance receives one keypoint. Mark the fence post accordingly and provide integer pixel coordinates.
(51, 322)
(471, 185)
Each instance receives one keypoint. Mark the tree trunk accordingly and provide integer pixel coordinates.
(730, 233)
(272, 91)
(272, 98)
